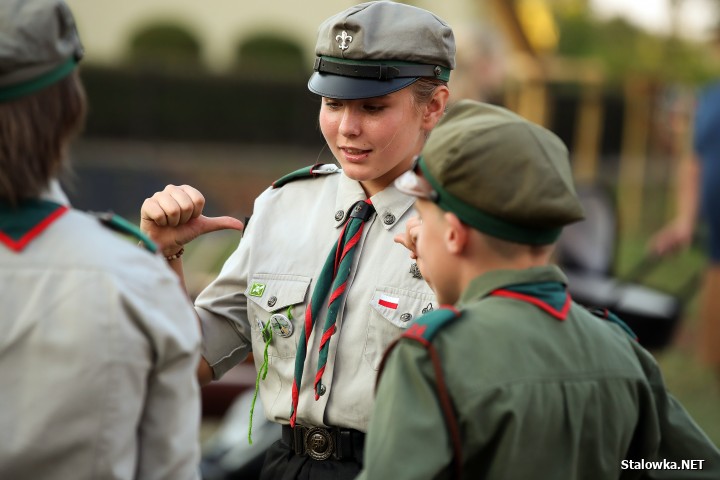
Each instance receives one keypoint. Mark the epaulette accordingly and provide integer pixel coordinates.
(427, 325)
(423, 329)
(607, 315)
(119, 224)
(313, 171)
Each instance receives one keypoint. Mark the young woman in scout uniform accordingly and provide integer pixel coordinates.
(515, 381)
(99, 344)
(328, 297)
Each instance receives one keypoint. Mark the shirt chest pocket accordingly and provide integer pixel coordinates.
(276, 300)
(392, 311)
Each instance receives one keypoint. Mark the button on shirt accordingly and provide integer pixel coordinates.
(291, 233)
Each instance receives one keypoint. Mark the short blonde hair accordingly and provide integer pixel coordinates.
(35, 132)
(424, 88)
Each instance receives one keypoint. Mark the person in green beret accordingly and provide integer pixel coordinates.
(511, 379)
(99, 342)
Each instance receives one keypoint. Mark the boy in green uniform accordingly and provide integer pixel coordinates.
(515, 381)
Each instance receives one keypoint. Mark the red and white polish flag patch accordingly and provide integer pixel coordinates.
(388, 301)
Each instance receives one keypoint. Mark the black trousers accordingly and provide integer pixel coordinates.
(281, 463)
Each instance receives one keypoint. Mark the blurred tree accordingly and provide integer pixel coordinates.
(164, 45)
(269, 56)
(625, 49)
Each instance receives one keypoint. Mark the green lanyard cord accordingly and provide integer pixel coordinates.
(267, 333)
(262, 373)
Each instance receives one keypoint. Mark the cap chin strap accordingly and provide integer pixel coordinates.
(379, 71)
(26, 88)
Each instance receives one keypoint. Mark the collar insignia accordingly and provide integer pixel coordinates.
(415, 271)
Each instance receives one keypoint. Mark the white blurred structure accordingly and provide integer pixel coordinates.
(107, 27)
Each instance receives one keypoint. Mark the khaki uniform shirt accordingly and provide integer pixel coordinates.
(98, 353)
(292, 230)
(535, 397)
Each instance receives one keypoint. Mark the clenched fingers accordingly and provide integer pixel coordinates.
(174, 206)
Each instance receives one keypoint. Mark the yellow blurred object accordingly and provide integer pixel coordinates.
(538, 22)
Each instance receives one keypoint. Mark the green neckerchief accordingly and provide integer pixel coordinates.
(21, 224)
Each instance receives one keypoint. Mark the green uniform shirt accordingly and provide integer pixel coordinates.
(534, 396)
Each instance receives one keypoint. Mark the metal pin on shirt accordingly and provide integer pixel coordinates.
(415, 271)
(282, 325)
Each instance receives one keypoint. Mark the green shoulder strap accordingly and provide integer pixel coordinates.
(606, 314)
(313, 171)
(423, 329)
(429, 324)
(119, 224)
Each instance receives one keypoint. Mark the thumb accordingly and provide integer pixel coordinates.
(213, 224)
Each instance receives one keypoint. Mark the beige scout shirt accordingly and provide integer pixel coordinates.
(98, 352)
(292, 230)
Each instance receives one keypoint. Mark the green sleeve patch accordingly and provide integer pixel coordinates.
(119, 224)
(313, 171)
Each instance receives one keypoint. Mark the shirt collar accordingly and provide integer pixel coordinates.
(390, 204)
(481, 286)
(55, 193)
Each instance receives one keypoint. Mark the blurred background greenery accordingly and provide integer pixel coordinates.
(213, 94)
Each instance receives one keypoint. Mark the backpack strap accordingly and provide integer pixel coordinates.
(423, 330)
(313, 171)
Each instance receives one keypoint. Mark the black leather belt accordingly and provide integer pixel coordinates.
(322, 443)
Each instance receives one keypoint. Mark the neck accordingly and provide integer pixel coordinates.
(371, 187)
(490, 257)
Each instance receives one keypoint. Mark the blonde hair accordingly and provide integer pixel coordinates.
(424, 88)
(34, 135)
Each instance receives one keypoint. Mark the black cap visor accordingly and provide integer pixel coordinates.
(352, 88)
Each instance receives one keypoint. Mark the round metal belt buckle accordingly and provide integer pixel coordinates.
(319, 444)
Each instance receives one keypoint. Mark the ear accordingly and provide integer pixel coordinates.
(456, 234)
(435, 108)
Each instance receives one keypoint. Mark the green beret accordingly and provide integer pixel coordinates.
(377, 48)
(501, 174)
(39, 45)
